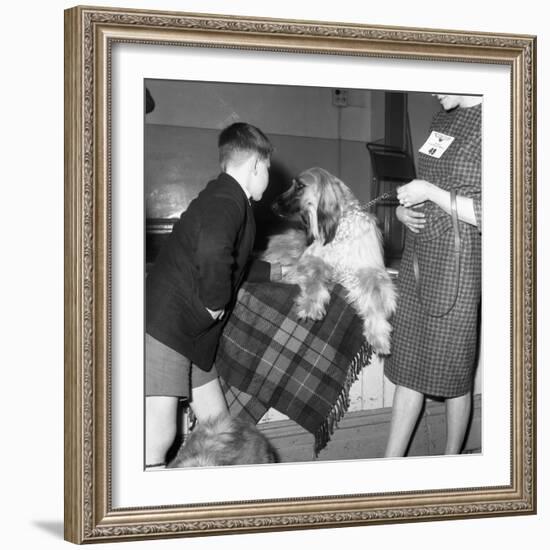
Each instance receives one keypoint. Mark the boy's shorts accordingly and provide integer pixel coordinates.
(169, 373)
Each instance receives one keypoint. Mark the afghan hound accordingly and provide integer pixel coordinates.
(224, 441)
(341, 244)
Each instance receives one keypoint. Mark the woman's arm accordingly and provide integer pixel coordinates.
(418, 191)
(464, 205)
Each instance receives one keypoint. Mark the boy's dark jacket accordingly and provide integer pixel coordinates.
(202, 264)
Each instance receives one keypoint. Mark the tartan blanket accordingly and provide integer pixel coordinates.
(267, 357)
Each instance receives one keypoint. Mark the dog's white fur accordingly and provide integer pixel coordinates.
(342, 244)
(224, 441)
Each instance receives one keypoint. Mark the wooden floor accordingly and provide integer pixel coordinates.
(363, 434)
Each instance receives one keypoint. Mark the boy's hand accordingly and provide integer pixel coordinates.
(216, 314)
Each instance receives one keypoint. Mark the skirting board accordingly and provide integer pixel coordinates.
(363, 434)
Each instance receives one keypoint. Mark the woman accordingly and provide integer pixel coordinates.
(435, 334)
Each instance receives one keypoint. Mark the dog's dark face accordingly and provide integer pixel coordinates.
(316, 198)
(287, 205)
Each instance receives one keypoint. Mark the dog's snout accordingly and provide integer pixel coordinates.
(285, 205)
(276, 208)
(282, 206)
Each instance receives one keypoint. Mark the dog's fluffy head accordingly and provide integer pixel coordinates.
(224, 441)
(317, 197)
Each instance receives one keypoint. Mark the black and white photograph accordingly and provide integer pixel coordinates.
(312, 273)
(299, 278)
(232, 312)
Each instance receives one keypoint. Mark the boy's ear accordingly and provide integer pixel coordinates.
(256, 163)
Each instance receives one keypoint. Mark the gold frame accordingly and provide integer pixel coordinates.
(89, 34)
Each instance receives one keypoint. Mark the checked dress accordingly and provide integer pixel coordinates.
(437, 356)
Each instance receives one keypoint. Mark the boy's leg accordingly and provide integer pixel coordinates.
(208, 400)
(167, 377)
(407, 404)
(160, 427)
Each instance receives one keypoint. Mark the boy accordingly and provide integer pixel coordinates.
(193, 283)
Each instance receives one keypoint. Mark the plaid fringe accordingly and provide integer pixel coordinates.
(326, 429)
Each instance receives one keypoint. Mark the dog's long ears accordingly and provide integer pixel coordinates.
(312, 226)
(327, 224)
(328, 214)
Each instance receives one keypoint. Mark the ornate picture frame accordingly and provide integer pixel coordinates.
(90, 35)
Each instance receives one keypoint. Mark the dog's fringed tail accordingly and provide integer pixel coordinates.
(326, 429)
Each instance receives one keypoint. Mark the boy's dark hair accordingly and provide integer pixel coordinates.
(241, 137)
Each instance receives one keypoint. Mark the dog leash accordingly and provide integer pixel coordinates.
(383, 196)
(416, 268)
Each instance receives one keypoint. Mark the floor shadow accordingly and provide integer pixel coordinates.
(52, 527)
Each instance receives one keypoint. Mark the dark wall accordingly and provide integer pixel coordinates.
(179, 161)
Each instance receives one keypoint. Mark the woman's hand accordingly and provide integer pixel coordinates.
(414, 192)
(413, 219)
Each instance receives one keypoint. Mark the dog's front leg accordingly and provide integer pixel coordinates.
(312, 275)
(285, 248)
(312, 301)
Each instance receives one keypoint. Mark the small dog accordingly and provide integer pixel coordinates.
(341, 244)
(224, 441)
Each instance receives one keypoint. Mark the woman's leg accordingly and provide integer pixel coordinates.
(458, 416)
(407, 405)
(160, 427)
